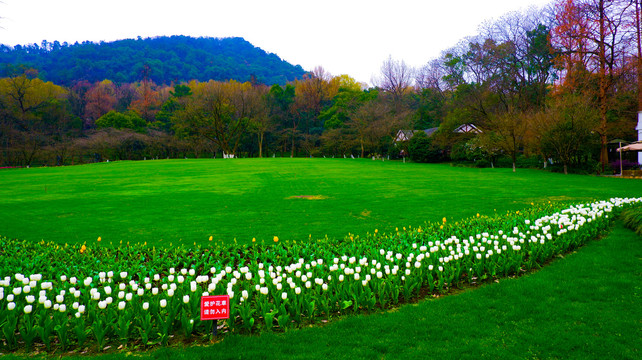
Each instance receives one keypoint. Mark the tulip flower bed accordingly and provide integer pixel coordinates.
(71, 297)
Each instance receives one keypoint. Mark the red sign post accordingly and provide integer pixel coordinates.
(215, 307)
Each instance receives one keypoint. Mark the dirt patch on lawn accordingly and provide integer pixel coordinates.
(308, 197)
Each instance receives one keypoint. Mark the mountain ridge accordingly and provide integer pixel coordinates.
(163, 59)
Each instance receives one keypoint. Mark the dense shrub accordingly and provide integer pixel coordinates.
(422, 149)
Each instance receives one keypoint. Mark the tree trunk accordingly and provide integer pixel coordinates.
(565, 169)
(638, 28)
(603, 85)
(514, 158)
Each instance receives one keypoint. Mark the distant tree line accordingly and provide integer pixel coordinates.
(543, 87)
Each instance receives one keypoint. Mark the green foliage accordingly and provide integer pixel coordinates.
(632, 218)
(421, 149)
(118, 120)
(180, 91)
(431, 110)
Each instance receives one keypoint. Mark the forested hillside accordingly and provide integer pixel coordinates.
(163, 59)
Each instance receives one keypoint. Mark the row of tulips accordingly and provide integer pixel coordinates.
(62, 297)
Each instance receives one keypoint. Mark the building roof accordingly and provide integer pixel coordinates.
(405, 135)
(467, 128)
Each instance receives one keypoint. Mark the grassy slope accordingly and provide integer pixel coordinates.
(245, 198)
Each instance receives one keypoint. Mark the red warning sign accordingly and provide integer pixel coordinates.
(215, 307)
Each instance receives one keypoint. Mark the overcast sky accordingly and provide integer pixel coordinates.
(349, 37)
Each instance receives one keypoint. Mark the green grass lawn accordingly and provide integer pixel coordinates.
(189, 200)
(587, 305)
